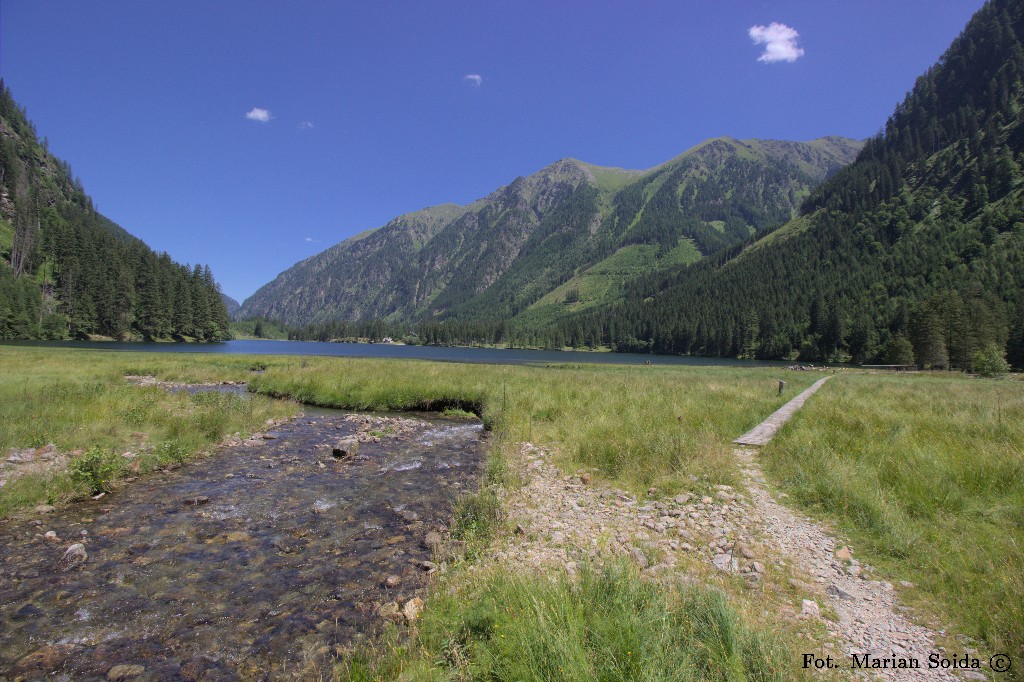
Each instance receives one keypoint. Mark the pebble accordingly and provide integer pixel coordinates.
(125, 672)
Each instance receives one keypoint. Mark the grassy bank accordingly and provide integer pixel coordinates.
(601, 626)
(79, 401)
(635, 426)
(926, 475)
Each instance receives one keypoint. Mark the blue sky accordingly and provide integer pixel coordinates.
(361, 111)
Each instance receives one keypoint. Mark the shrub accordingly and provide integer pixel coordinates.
(990, 362)
(96, 468)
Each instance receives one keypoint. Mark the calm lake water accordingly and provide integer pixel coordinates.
(383, 350)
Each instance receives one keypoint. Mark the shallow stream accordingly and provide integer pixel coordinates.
(264, 560)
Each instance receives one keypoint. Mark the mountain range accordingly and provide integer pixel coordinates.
(572, 230)
(906, 250)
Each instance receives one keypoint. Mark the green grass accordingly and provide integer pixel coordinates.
(79, 401)
(605, 281)
(926, 475)
(609, 625)
(638, 426)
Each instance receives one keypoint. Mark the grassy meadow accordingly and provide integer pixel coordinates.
(635, 426)
(925, 474)
(79, 401)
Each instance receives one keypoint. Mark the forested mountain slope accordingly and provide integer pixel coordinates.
(67, 271)
(546, 239)
(914, 253)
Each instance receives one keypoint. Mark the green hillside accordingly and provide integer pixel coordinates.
(68, 272)
(572, 230)
(914, 253)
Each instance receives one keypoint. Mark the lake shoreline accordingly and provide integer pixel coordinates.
(467, 354)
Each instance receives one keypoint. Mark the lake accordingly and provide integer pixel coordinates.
(503, 356)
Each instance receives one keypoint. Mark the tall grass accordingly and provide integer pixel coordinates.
(609, 625)
(79, 401)
(636, 426)
(926, 473)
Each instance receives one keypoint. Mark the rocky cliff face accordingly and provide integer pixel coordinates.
(499, 255)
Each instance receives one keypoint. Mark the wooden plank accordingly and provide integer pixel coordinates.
(766, 430)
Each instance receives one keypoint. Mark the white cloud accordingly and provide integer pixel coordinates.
(305, 125)
(779, 42)
(312, 241)
(474, 78)
(257, 114)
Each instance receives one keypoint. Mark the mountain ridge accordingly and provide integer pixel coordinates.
(451, 261)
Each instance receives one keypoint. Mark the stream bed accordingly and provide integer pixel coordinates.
(265, 560)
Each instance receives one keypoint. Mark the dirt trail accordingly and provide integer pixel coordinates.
(562, 520)
(870, 621)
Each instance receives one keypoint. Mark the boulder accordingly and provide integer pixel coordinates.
(74, 557)
(345, 448)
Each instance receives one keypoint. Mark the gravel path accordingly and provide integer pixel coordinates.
(870, 621)
(562, 520)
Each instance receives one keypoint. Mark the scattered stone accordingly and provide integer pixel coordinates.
(409, 516)
(51, 536)
(586, 478)
(44, 660)
(639, 557)
(345, 448)
(839, 593)
(683, 498)
(433, 540)
(196, 500)
(723, 562)
(844, 553)
(45, 508)
(393, 581)
(74, 557)
(390, 611)
(810, 608)
(27, 611)
(125, 672)
(412, 609)
(757, 567)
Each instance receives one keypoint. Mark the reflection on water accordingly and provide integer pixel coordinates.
(266, 558)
